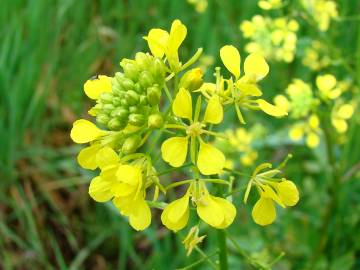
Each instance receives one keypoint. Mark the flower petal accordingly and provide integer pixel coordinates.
(312, 140)
(210, 159)
(157, 41)
(214, 111)
(94, 87)
(326, 82)
(100, 189)
(255, 67)
(84, 131)
(210, 211)
(178, 33)
(106, 156)
(288, 192)
(345, 111)
(271, 109)
(176, 214)
(182, 105)
(230, 57)
(140, 217)
(264, 212)
(174, 150)
(87, 157)
(228, 209)
(129, 174)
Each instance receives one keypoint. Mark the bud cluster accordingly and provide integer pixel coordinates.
(136, 93)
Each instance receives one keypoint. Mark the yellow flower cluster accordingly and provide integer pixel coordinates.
(321, 11)
(316, 56)
(270, 4)
(130, 106)
(273, 38)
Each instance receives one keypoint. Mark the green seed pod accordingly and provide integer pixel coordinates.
(127, 84)
(136, 119)
(192, 79)
(131, 144)
(143, 100)
(131, 71)
(115, 124)
(106, 97)
(158, 70)
(155, 120)
(132, 97)
(145, 79)
(138, 88)
(120, 113)
(102, 119)
(153, 95)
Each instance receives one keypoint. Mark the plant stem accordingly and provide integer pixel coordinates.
(223, 260)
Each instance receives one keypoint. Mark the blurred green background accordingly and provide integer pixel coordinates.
(48, 49)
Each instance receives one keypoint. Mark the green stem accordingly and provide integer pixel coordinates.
(223, 260)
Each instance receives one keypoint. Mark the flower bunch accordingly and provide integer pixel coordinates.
(321, 11)
(316, 56)
(273, 38)
(157, 100)
(270, 4)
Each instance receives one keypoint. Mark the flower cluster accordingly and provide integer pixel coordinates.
(270, 4)
(321, 11)
(316, 56)
(273, 38)
(156, 93)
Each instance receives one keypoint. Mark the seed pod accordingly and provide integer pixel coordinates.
(115, 124)
(120, 113)
(158, 70)
(102, 119)
(145, 79)
(192, 79)
(131, 71)
(127, 84)
(155, 120)
(132, 97)
(106, 97)
(136, 119)
(153, 95)
(131, 144)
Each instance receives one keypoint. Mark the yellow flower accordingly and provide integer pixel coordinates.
(255, 69)
(200, 5)
(93, 88)
(327, 85)
(83, 131)
(174, 150)
(192, 239)
(215, 211)
(270, 4)
(163, 43)
(322, 11)
(271, 190)
(309, 129)
(339, 116)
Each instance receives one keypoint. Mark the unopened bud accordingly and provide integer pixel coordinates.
(132, 97)
(136, 119)
(102, 119)
(127, 84)
(131, 71)
(120, 113)
(153, 95)
(108, 108)
(145, 79)
(138, 88)
(158, 70)
(143, 100)
(119, 77)
(106, 97)
(143, 60)
(155, 121)
(192, 79)
(115, 124)
(131, 144)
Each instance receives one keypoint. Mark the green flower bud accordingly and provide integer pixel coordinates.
(145, 79)
(134, 109)
(143, 100)
(127, 84)
(132, 97)
(108, 108)
(131, 144)
(120, 113)
(143, 60)
(119, 77)
(117, 89)
(106, 97)
(102, 119)
(138, 88)
(124, 103)
(192, 79)
(115, 124)
(158, 70)
(136, 119)
(153, 95)
(155, 120)
(116, 101)
(131, 71)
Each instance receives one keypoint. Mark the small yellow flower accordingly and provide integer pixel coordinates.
(322, 11)
(93, 88)
(339, 116)
(327, 85)
(174, 150)
(309, 129)
(84, 131)
(192, 239)
(215, 211)
(163, 43)
(270, 4)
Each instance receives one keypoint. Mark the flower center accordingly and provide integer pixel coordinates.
(195, 129)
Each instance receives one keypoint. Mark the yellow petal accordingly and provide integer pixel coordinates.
(182, 105)
(210, 211)
(157, 41)
(176, 214)
(94, 87)
(288, 192)
(271, 109)
(312, 140)
(129, 174)
(174, 150)
(140, 217)
(325, 82)
(100, 189)
(255, 67)
(231, 58)
(106, 156)
(282, 102)
(229, 211)
(314, 121)
(84, 131)
(87, 157)
(296, 133)
(214, 111)
(270, 194)
(178, 33)
(264, 212)
(248, 89)
(345, 111)
(340, 125)
(210, 159)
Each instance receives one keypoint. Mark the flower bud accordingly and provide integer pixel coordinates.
(136, 119)
(143, 60)
(106, 97)
(119, 77)
(143, 100)
(124, 103)
(115, 124)
(192, 79)
(134, 109)
(116, 101)
(155, 120)
(153, 95)
(120, 113)
(127, 84)
(102, 119)
(131, 144)
(138, 88)
(145, 79)
(132, 97)
(131, 71)
(158, 70)
(107, 108)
